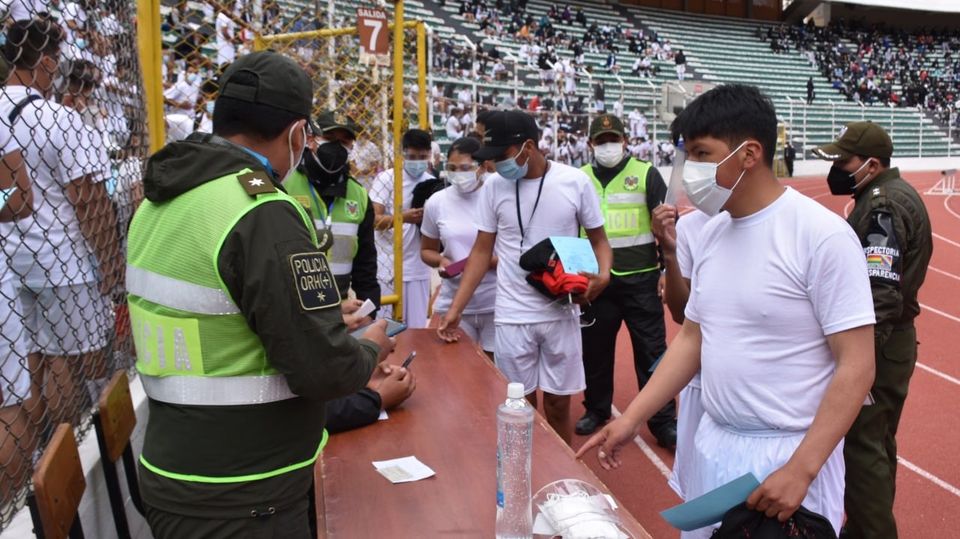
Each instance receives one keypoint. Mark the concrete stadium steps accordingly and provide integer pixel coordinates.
(727, 50)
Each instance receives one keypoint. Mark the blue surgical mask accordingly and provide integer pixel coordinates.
(415, 168)
(192, 78)
(81, 43)
(510, 169)
(210, 105)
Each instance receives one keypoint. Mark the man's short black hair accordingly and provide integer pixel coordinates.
(466, 145)
(731, 113)
(417, 139)
(233, 117)
(30, 39)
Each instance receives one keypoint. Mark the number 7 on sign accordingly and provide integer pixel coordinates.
(370, 23)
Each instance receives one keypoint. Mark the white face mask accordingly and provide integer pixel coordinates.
(295, 156)
(608, 155)
(700, 183)
(463, 181)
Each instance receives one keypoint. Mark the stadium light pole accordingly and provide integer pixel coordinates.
(653, 89)
(920, 120)
(949, 131)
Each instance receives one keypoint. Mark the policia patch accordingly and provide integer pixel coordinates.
(314, 281)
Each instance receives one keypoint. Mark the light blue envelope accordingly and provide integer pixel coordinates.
(710, 508)
(576, 254)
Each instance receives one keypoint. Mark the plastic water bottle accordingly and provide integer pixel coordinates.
(514, 445)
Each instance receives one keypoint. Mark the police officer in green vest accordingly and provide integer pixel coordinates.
(892, 223)
(236, 319)
(339, 206)
(629, 189)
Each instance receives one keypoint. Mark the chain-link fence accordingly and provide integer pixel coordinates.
(72, 131)
(383, 95)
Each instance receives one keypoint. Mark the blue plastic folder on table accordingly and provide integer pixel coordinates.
(710, 508)
(576, 254)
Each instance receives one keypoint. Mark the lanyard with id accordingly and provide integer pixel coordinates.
(325, 235)
(536, 203)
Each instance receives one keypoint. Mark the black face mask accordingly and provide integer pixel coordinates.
(327, 166)
(840, 181)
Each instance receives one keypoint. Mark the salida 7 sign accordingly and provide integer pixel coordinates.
(372, 27)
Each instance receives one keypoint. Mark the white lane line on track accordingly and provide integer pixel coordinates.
(947, 273)
(941, 313)
(948, 240)
(949, 209)
(929, 476)
(647, 450)
(941, 374)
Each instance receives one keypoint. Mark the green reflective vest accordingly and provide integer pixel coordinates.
(348, 212)
(627, 218)
(194, 346)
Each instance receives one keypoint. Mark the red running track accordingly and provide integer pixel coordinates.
(928, 480)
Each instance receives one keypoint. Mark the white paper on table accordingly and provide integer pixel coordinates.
(383, 416)
(403, 470)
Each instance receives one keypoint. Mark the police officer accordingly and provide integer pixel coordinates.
(236, 318)
(339, 205)
(629, 189)
(892, 223)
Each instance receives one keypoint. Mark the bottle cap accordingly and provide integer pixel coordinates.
(515, 390)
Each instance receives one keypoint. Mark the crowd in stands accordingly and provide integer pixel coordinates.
(875, 64)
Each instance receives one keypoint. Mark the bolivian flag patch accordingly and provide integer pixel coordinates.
(880, 262)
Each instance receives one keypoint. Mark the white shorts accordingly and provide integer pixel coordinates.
(544, 355)
(14, 372)
(66, 320)
(723, 455)
(689, 412)
(481, 329)
(416, 302)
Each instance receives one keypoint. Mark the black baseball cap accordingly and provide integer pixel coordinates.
(280, 83)
(606, 123)
(866, 139)
(503, 129)
(328, 120)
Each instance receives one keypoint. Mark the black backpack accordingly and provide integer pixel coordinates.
(741, 522)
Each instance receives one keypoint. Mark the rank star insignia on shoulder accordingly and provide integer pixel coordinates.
(256, 183)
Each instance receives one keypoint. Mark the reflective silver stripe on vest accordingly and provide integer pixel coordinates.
(639, 199)
(341, 268)
(217, 391)
(344, 229)
(177, 294)
(631, 241)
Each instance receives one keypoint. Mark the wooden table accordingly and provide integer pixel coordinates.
(450, 425)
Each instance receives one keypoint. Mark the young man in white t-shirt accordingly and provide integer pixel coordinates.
(779, 322)
(528, 200)
(65, 256)
(416, 147)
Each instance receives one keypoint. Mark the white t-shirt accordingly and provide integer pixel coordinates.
(689, 227)
(226, 50)
(568, 200)
(381, 192)
(451, 216)
(49, 249)
(453, 128)
(766, 290)
(183, 92)
(18, 10)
